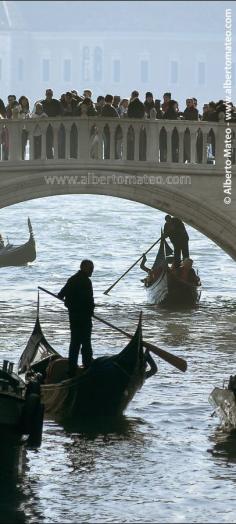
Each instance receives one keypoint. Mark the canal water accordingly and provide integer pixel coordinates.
(168, 460)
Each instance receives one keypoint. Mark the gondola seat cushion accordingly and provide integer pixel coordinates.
(57, 371)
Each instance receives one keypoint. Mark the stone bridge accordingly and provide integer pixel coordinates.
(178, 167)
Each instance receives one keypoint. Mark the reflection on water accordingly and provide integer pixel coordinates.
(165, 460)
(17, 498)
(90, 428)
(224, 448)
(87, 435)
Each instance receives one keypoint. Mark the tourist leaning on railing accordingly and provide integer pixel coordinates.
(70, 105)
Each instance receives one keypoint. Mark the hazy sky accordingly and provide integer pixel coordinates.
(169, 20)
(174, 16)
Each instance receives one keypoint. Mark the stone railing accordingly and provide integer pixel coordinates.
(100, 139)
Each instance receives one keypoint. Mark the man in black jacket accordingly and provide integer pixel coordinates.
(175, 229)
(136, 108)
(108, 111)
(52, 108)
(2, 109)
(78, 295)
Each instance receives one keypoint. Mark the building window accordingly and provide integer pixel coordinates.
(144, 71)
(46, 70)
(20, 69)
(86, 64)
(174, 73)
(116, 70)
(201, 73)
(67, 70)
(97, 64)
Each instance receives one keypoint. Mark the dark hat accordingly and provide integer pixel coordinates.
(134, 94)
(149, 94)
(167, 94)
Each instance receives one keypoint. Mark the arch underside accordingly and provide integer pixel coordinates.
(193, 212)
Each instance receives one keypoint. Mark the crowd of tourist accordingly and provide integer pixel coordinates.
(72, 104)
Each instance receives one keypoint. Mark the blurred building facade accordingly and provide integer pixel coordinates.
(111, 47)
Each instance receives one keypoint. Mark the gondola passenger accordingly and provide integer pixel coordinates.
(186, 273)
(78, 295)
(1, 242)
(153, 273)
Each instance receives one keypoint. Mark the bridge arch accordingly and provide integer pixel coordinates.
(190, 206)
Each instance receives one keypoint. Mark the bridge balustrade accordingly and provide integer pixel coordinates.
(99, 139)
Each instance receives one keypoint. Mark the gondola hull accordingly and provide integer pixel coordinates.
(11, 255)
(168, 291)
(166, 288)
(11, 410)
(104, 389)
(21, 411)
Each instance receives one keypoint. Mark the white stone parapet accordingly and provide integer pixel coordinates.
(123, 140)
(179, 167)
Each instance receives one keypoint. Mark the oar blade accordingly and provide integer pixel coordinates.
(175, 361)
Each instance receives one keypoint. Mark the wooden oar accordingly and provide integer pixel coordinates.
(125, 273)
(175, 361)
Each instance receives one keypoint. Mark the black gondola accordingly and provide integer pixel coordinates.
(104, 389)
(21, 411)
(164, 287)
(11, 255)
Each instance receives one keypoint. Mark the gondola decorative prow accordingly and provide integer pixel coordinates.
(30, 228)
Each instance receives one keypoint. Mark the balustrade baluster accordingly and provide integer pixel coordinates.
(136, 141)
(204, 155)
(124, 140)
(84, 138)
(219, 131)
(112, 127)
(100, 140)
(169, 143)
(14, 133)
(67, 139)
(152, 142)
(181, 146)
(31, 144)
(193, 142)
(44, 139)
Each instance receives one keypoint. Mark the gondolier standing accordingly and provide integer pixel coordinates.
(175, 229)
(78, 295)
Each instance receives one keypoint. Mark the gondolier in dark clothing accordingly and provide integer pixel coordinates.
(175, 229)
(78, 295)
